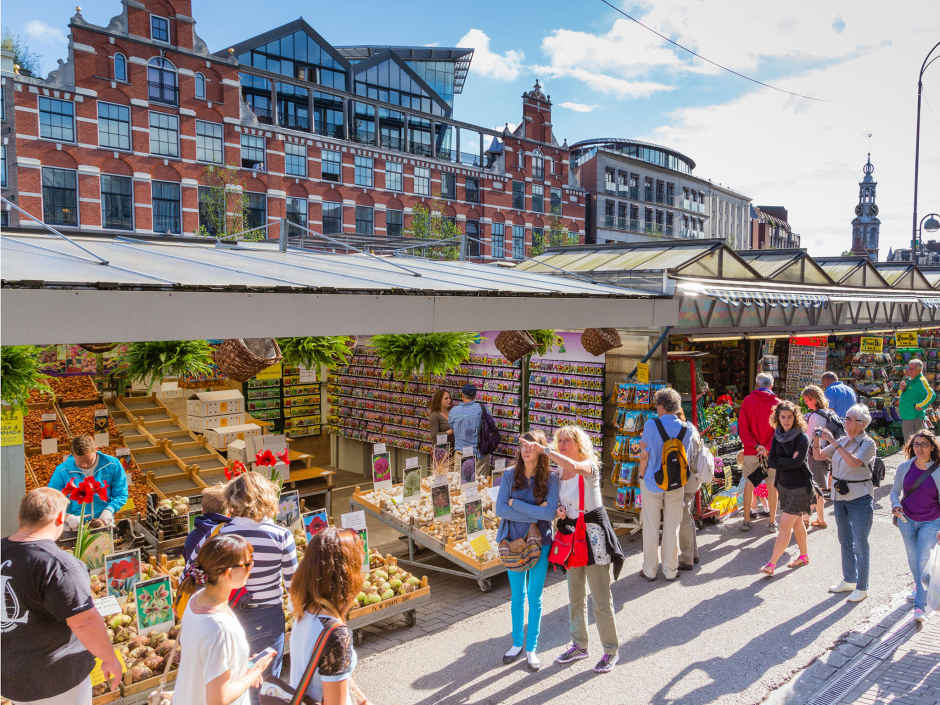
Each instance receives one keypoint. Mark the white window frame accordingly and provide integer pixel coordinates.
(168, 29)
(130, 128)
(216, 124)
(361, 168)
(150, 127)
(303, 148)
(398, 169)
(114, 67)
(425, 179)
(264, 152)
(196, 77)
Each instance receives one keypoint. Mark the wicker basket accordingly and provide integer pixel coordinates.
(597, 341)
(98, 347)
(515, 344)
(243, 358)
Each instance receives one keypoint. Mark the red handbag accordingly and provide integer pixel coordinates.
(570, 550)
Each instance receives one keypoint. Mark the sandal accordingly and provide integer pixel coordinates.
(799, 562)
(819, 523)
(768, 568)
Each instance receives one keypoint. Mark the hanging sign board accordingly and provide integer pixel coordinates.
(871, 345)
(810, 341)
(907, 339)
(643, 372)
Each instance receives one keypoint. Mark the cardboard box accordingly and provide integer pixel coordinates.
(228, 401)
(219, 438)
(200, 424)
(244, 449)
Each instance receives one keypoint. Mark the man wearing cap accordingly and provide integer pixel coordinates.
(465, 418)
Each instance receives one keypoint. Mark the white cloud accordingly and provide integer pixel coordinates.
(39, 31)
(504, 67)
(808, 155)
(578, 107)
(604, 83)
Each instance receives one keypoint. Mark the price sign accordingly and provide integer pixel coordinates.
(272, 372)
(12, 427)
(871, 345)
(907, 339)
(811, 341)
(643, 372)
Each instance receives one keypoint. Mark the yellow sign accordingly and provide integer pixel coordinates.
(480, 545)
(12, 427)
(906, 340)
(272, 372)
(872, 345)
(97, 675)
(643, 372)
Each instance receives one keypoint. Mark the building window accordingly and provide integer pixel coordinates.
(211, 210)
(669, 224)
(332, 166)
(164, 134)
(293, 106)
(253, 152)
(295, 159)
(419, 136)
(472, 189)
(256, 92)
(364, 220)
(363, 171)
(537, 236)
(622, 216)
(635, 187)
(660, 221)
(56, 119)
(159, 29)
(648, 220)
(518, 242)
(393, 223)
(59, 196)
(161, 81)
(538, 198)
(209, 146)
(520, 161)
(634, 218)
(670, 194)
(551, 166)
(328, 114)
(363, 123)
(448, 186)
(200, 91)
(610, 180)
(538, 167)
(472, 236)
(660, 191)
(296, 216)
(647, 189)
(556, 201)
(392, 129)
(608, 213)
(332, 218)
(3, 174)
(499, 240)
(256, 211)
(120, 68)
(166, 207)
(518, 195)
(114, 126)
(422, 181)
(116, 202)
(393, 172)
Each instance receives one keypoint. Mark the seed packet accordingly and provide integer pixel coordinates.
(625, 394)
(634, 448)
(623, 497)
(641, 399)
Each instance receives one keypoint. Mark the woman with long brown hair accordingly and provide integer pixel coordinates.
(793, 479)
(437, 419)
(322, 592)
(528, 494)
(214, 664)
(819, 414)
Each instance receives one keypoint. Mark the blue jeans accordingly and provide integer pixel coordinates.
(532, 580)
(919, 538)
(264, 627)
(853, 521)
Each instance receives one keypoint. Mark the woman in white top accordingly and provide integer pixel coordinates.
(818, 406)
(322, 592)
(574, 453)
(214, 667)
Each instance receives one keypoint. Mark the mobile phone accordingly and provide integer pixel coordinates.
(819, 432)
(261, 655)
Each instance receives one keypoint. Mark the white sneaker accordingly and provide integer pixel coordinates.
(920, 616)
(532, 661)
(857, 595)
(842, 587)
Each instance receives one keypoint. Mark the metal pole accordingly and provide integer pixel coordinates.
(915, 240)
(282, 236)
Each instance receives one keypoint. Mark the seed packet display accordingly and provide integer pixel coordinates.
(626, 473)
(381, 467)
(153, 600)
(314, 522)
(122, 572)
(411, 487)
(642, 397)
(631, 422)
(473, 515)
(625, 393)
(440, 498)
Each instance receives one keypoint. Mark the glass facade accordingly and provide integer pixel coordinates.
(209, 146)
(328, 115)
(298, 56)
(437, 74)
(363, 124)
(256, 92)
(419, 136)
(388, 82)
(392, 129)
(56, 119)
(650, 154)
(117, 207)
(293, 110)
(59, 196)
(114, 126)
(166, 207)
(295, 159)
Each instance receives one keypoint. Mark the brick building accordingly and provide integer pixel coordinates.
(346, 141)
(770, 229)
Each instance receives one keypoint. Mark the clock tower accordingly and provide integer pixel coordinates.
(866, 225)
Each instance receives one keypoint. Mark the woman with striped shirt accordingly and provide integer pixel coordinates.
(252, 502)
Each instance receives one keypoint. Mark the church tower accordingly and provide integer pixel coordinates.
(866, 225)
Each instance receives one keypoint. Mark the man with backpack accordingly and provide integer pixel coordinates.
(473, 428)
(841, 397)
(665, 470)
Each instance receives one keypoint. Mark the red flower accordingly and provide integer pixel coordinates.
(86, 490)
(283, 457)
(122, 570)
(238, 468)
(265, 458)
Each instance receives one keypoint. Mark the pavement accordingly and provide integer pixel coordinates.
(722, 633)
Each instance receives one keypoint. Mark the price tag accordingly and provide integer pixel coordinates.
(97, 675)
(378, 448)
(467, 451)
(307, 376)
(442, 439)
(107, 605)
(643, 372)
(500, 465)
(411, 463)
(907, 339)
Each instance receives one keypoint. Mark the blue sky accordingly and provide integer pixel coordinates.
(609, 77)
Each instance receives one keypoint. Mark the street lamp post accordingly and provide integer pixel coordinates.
(916, 244)
(929, 223)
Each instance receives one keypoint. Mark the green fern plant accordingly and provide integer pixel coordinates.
(424, 354)
(20, 374)
(546, 339)
(151, 362)
(313, 351)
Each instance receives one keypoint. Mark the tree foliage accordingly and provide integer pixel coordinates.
(223, 206)
(433, 225)
(23, 56)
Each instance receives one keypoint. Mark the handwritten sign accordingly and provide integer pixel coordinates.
(871, 345)
(643, 372)
(907, 339)
(810, 341)
(12, 427)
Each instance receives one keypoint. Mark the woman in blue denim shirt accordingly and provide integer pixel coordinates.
(527, 494)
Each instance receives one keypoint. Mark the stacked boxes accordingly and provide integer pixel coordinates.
(206, 410)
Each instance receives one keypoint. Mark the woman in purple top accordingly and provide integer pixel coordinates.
(915, 502)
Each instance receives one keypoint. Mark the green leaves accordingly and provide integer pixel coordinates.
(151, 362)
(427, 354)
(546, 339)
(313, 351)
(19, 374)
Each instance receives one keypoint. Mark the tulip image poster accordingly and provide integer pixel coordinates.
(122, 572)
(381, 467)
(154, 602)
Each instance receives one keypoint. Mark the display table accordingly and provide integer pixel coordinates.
(311, 481)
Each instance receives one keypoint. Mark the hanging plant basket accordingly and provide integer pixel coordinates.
(515, 344)
(98, 348)
(423, 354)
(243, 358)
(313, 351)
(597, 341)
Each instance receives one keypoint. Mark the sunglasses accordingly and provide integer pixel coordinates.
(245, 565)
(921, 444)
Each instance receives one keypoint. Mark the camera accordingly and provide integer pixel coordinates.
(842, 487)
(818, 432)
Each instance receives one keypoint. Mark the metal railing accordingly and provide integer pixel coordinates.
(101, 260)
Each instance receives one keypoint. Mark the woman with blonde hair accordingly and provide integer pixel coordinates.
(819, 413)
(793, 479)
(322, 592)
(574, 453)
(252, 503)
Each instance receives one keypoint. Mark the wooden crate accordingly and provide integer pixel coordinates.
(469, 560)
(94, 399)
(425, 589)
(148, 684)
(108, 697)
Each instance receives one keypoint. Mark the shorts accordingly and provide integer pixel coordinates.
(749, 464)
(796, 501)
(820, 470)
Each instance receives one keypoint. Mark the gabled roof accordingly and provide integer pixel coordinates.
(903, 275)
(300, 24)
(460, 56)
(931, 274)
(791, 265)
(853, 271)
(391, 55)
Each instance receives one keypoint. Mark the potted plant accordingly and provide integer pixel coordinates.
(313, 351)
(151, 362)
(427, 354)
(546, 339)
(20, 375)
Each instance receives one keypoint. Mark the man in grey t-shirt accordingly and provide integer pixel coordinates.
(852, 491)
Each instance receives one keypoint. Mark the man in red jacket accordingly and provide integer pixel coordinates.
(757, 433)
